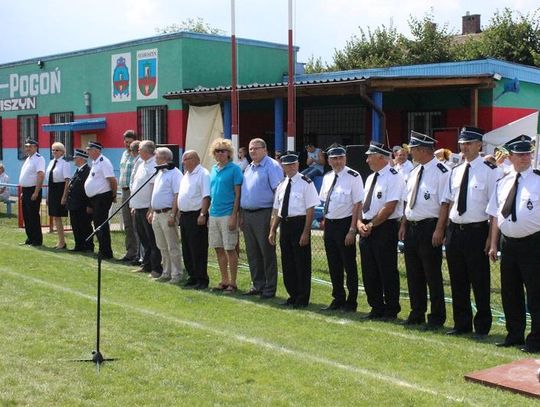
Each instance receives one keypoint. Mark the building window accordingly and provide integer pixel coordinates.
(424, 122)
(152, 123)
(27, 128)
(64, 137)
(342, 124)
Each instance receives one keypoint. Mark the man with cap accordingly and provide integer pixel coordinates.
(342, 192)
(422, 230)
(31, 181)
(515, 211)
(78, 204)
(100, 186)
(378, 226)
(294, 203)
(467, 242)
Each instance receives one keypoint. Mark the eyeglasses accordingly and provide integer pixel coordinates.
(54, 149)
(221, 150)
(255, 148)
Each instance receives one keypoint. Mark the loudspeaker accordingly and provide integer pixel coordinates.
(356, 159)
(175, 148)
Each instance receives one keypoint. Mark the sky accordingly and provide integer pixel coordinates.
(38, 28)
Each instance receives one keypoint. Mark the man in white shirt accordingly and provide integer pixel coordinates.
(193, 203)
(4, 180)
(142, 185)
(31, 181)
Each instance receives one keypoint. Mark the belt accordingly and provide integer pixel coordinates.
(473, 225)
(522, 239)
(294, 218)
(125, 188)
(347, 219)
(414, 223)
(189, 212)
(164, 210)
(255, 210)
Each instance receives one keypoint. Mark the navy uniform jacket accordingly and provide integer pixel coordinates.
(77, 198)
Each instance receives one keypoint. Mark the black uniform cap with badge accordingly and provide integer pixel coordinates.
(469, 134)
(80, 153)
(94, 144)
(421, 140)
(30, 142)
(378, 148)
(290, 157)
(335, 151)
(520, 145)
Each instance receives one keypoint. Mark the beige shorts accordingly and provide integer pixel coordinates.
(219, 234)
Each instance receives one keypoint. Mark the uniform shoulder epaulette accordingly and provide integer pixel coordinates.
(537, 172)
(101, 159)
(306, 179)
(393, 171)
(442, 168)
(38, 155)
(490, 164)
(353, 173)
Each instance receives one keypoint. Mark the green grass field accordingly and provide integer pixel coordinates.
(182, 347)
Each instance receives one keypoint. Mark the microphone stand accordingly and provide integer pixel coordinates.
(97, 356)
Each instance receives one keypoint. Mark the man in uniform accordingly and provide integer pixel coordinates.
(467, 242)
(422, 230)
(378, 227)
(31, 181)
(100, 186)
(144, 172)
(193, 203)
(78, 204)
(261, 178)
(126, 169)
(515, 211)
(296, 198)
(342, 192)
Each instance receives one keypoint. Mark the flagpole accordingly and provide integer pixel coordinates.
(291, 103)
(234, 91)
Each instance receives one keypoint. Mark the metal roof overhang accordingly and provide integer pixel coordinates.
(78, 125)
(340, 87)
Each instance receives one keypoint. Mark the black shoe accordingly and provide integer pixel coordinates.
(349, 307)
(136, 262)
(479, 337)
(191, 283)
(36, 244)
(288, 303)
(76, 249)
(126, 259)
(267, 296)
(299, 306)
(530, 349)
(389, 318)
(509, 343)
(334, 306)
(26, 242)
(200, 286)
(457, 332)
(372, 316)
(431, 327)
(413, 321)
(252, 291)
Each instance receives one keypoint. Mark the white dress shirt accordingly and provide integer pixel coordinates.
(166, 186)
(97, 182)
(142, 172)
(194, 186)
(61, 171)
(303, 195)
(390, 186)
(32, 165)
(347, 192)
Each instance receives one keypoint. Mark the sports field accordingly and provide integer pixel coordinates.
(182, 347)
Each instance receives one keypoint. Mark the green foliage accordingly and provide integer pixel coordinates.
(315, 65)
(197, 25)
(510, 36)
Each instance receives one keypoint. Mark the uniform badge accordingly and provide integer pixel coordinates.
(529, 205)
(93, 174)
(379, 195)
(426, 195)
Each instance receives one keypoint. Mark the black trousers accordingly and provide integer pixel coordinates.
(468, 266)
(194, 246)
(423, 263)
(31, 216)
(295, 260)
(100, 205)
(520, 265)
(341, 259)
(81, 223)
(152, 256)
(380, 274)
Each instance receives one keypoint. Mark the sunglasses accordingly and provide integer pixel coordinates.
(221, 150)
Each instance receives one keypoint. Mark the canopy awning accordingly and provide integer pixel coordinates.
(98, 123)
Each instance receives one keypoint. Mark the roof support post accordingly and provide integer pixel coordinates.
(378, 118)
(474, 107)
(227, 115)
(278, 124)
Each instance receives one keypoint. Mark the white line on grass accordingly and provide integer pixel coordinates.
(303, 356)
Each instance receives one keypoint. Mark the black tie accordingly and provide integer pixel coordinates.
(367, 203)
(416, 187)
(327, 202)
(462, 200)
(510, 203)
(51, 173)
(285, 205)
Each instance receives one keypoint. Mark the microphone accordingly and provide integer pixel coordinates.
(169, 166)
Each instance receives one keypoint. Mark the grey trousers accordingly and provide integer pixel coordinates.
(132, 243)
(260, 253)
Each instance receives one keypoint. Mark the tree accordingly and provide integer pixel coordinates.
(315, 65)
(197, 25)
(382, 47)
